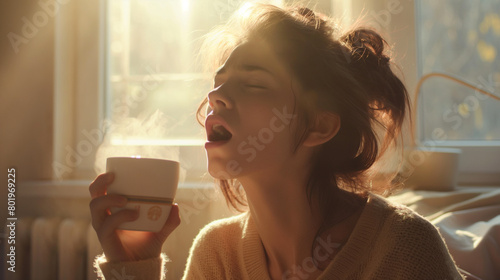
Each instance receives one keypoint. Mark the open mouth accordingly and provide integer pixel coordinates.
(219, 133)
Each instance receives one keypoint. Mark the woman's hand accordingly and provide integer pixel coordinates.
(124, 245)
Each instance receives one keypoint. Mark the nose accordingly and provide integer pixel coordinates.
(217, 99)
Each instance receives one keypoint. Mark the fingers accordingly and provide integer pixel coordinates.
(113, 221)
(99, 205)
(172, 222)
(100, 184)
(110, 242)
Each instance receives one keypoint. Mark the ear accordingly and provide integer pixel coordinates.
(325, 128)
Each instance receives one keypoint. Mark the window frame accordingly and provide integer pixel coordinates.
(78, 88)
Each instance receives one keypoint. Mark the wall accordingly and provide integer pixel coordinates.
(26, 87)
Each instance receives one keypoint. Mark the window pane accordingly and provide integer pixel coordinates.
(460, 37)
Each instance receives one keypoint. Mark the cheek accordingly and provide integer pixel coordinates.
(265, 126)
(267, 137)
(268, 125)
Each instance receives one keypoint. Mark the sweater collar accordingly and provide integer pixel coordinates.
(252, 249)
(360, 241)
(354, 251)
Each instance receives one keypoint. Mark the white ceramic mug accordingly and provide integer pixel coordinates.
(149, 185)
(433, 168)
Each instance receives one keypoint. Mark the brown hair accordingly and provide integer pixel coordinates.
(347, 74)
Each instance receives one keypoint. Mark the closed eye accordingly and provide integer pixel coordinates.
(255, 86)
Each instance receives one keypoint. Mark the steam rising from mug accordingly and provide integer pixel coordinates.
(136, 137)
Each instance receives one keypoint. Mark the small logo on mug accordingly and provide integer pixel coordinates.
(154, 213)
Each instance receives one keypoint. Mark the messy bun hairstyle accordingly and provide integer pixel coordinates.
(346, 74)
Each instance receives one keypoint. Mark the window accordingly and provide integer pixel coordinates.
(151, 66)
(461, 38)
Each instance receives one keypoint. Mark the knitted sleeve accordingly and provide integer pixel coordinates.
(149, 269)
(213, 255)
(413, 249)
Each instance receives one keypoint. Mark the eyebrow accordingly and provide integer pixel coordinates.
(245, 67)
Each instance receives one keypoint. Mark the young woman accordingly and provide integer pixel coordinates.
(297, 118)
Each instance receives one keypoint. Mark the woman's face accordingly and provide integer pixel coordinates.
(249, 126)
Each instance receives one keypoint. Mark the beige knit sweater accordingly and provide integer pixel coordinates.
(389, 242)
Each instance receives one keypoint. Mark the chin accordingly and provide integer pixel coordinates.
(217, 170)
(223, 169)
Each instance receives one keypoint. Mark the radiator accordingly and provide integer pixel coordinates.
(54, 248)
